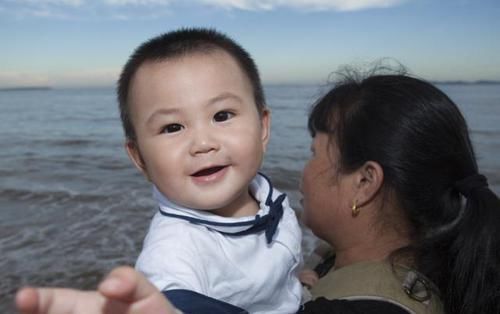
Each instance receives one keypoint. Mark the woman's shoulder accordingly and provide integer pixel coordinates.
(325, 306)
(378, 282)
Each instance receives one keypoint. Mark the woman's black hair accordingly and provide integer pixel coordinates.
(420, 139)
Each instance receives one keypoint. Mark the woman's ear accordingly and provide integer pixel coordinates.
(266, 127)
(369, 180)
(135, 156)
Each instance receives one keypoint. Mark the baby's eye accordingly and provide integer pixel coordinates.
(223, 116)
(172, 128)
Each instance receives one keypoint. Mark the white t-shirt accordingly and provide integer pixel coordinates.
(202, 252)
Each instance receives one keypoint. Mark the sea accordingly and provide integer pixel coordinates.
(72, 206)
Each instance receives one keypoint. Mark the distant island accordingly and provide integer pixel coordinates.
(479, 82)
(24, 88)
(437, 82)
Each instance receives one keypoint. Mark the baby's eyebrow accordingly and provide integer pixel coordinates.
(160, 112)
(224, 96)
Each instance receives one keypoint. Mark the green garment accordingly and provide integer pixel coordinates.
(378, 281)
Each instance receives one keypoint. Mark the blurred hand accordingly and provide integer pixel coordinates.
(123, 291)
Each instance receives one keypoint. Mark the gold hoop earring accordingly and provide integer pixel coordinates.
(355, 209)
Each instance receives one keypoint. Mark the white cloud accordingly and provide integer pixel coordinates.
(73, 3)
(47, 13)
(16, 79)
(54, 9)
(88, 77)
(137, 2)
(81, 9)
(133, 9)
(337, 5)
(236, 4)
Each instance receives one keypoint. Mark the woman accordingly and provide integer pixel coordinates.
(393, 186)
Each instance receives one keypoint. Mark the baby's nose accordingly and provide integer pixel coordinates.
(203, 143)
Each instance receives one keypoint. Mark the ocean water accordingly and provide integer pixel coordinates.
(72, 206)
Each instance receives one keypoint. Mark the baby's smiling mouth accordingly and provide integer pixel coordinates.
(208, 171)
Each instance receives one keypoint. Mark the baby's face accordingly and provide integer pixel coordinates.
(200, 137)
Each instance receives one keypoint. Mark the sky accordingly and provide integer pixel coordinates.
(86, 42)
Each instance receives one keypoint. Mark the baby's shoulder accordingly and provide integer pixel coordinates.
(172, 230)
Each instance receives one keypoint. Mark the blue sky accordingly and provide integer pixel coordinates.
(86, 42)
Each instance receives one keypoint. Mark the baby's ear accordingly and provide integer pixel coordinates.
(135, 156)
(266, 127)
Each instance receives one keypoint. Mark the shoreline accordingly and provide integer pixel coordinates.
(30, 88)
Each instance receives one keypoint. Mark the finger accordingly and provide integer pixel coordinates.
(58, 301)
(27, 300)
(308, 278)
(124, 284)
(45, 300)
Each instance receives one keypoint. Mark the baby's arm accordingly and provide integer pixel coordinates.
(123, 291)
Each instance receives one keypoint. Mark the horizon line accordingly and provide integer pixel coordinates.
(56, 86)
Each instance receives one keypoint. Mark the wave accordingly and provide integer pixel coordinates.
(493, 133)
(40, 196)
(282, 178)
(71, 142)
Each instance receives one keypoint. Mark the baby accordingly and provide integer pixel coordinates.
(196, 126)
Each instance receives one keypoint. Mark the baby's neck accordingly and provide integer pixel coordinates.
(245, 205)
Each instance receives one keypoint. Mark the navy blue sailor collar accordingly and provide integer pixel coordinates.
(266, 220)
